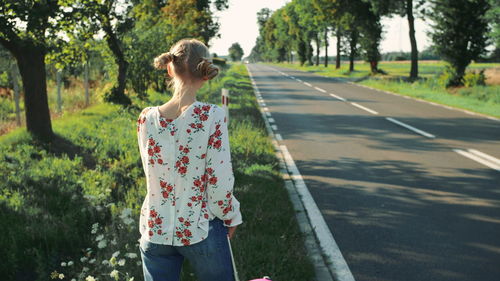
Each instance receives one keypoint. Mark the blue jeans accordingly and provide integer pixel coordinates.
(210, 258)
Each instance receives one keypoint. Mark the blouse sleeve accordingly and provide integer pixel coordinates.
(141, 135)
(220, 178)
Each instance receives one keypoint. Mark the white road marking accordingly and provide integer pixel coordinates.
(268, 114)
(338, 97)
(299, 80)
(307, 84)
(319, 89)
(266, 109)
(278, 137)
(477, 159)
(410, 127)
(275, 128)
(271, 120)
(263, 103)
(364, 108)
(335, 259)
(485, 156)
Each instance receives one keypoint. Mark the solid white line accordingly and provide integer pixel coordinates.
(278, 137)
(364, 108)
(268, 114)
(265, 109)
(410, 128)
(485, 156)
(299, 80)
(319, 89)
(275, 128)
(477, 159)
(307, 84)
(271, 120)
(335, 259)
(263, 103)
(340, 98)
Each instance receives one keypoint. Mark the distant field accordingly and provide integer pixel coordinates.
(427, 69)
(481, 99)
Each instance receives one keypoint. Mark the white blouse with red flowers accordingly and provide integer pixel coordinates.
(189, 174)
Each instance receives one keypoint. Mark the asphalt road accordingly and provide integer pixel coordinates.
(401, 205)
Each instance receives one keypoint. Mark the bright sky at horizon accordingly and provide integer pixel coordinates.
(238, 23)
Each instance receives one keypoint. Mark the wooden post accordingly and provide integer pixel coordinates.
(59, 98)
(225, 102)
(86, 83)
(16, 94)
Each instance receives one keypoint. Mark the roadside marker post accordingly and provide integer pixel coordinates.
(225, 102)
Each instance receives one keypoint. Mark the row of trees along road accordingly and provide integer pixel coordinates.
(62, 32)
(460, 30)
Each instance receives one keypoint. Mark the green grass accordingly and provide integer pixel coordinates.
(481, 99)
(52, 194)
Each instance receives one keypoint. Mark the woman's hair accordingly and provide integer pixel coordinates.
(190, 59)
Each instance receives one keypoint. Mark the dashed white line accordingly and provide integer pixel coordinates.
(485, 156)
(338, 97)
(275, 128)
(364, 108)
(268, 114)
(299, 80)
(477, 158)
(271, 120)
(307, 84)
(278, 137)
(319, 89)
(265, 109)
(425, 134)
(335, 259)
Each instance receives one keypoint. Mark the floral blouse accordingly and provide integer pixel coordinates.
(189, 174)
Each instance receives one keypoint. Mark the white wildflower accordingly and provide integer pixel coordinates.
(99, 237)
(63, 264)
(61, 276)
(83, 259)
(114, 241)
(105, 262)
(114, 274)
(73, 279)
(121, 262)
(92, 261)
(131, 279)
(102, 244)
(70, 263)
(115, 254)
(85, 269)
(131, 255)
(90, 278)
(139, 263)
(112, 261)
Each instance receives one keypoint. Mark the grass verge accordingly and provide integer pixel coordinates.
(71, 207)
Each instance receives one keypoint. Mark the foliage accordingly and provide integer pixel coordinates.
(456, 44)
(472, 78)
(235, 52)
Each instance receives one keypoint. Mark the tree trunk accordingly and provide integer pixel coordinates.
(353, 42)
(31, 62)
(118, 93)
(326, 46)
(337, 62)
(317, 49)
(413, 40)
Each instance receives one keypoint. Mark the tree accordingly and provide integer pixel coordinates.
(236, 52)
(26, 30)
(403, 8)
(459, 33)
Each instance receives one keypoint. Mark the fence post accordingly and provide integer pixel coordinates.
(59, 98)
(225, 102)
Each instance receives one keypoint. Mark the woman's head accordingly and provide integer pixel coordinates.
(187, 62)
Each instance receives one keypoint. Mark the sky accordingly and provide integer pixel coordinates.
(238, 23)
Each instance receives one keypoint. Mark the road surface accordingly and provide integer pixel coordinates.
(409, 190)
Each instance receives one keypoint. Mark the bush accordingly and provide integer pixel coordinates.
(472, 79)
(449, 77)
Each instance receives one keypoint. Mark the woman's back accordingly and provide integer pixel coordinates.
(189, 175)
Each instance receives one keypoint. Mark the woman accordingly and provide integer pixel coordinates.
(189, 208)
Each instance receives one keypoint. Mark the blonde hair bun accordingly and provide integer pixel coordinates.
(161, 61)
(208, 69)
